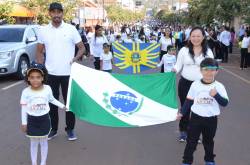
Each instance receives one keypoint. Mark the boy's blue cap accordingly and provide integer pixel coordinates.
(36, 66)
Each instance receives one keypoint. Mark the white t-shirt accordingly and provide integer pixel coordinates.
(245, 42)
(165, 42)
(168, 61)
(96, 45)
(190, 68)
(36, 103)
(204, 104)
(59, 46)
(106, 61)
(225, 37)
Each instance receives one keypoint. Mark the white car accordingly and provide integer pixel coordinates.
(17, 48)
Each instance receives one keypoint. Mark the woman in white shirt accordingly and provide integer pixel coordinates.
(96, 45)
(245, 44)
(165, 41)
(188, 62)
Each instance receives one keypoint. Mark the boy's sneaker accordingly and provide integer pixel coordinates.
(52, 134)
(183, 137)
(210, 163)
(71, 135)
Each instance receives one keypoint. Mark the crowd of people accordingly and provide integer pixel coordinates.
(190, 51)
(221, 40)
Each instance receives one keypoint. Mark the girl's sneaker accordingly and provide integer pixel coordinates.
(183, 137)
(210, 163)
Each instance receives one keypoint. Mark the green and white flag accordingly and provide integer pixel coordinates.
(121, 100)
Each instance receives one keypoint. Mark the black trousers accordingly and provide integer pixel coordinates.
(183, 88)
(224, 51)
(231, 47)
(200, 125)
(161, 55)
(243, 57)
(97, 63)
(218, 54)
(55, 82)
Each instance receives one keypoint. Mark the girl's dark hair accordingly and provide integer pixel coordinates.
(203, 44)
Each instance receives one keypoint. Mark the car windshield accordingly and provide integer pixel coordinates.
(11, 34)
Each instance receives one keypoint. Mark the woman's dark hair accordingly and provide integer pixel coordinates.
(97, 27)
(170, 34)
(203, 44)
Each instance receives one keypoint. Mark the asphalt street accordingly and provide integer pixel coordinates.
(154, 145)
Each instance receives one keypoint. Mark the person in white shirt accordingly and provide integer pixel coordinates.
(35, 111)
(128, 39)
(225, 38)
(187, 34)
(106, 58)
(188, 62)
(165, 41)
(245, 45)
(59, 40)
(168, 60)
(204, 98)
(96, 45)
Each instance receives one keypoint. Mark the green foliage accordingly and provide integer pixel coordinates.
(119, 15)
(5, 10)
(205, 12)
(41, 9)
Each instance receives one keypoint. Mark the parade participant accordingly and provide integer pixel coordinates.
(106, 58)
(204, 98)
(59, 39)
(232, 32)
(35, 111)
(245, 44)
(165, 41)
(128, 39)
(153, 39)
(225, 38)
(96, 45)
(168, 60)
(188, 61)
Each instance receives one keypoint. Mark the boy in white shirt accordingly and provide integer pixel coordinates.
(168, 60)
(106, 58)
(204, 98)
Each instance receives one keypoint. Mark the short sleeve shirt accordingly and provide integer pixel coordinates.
(204, 104)
(59, 47)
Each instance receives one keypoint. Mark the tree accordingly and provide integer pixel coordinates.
(119, 15)
(5, 10)
(206, 11)
(41, 9)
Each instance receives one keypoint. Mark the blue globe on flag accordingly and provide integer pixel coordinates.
(124, 101)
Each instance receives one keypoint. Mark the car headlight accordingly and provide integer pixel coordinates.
(5, 55)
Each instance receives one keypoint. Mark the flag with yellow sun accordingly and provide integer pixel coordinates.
(136, 57)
